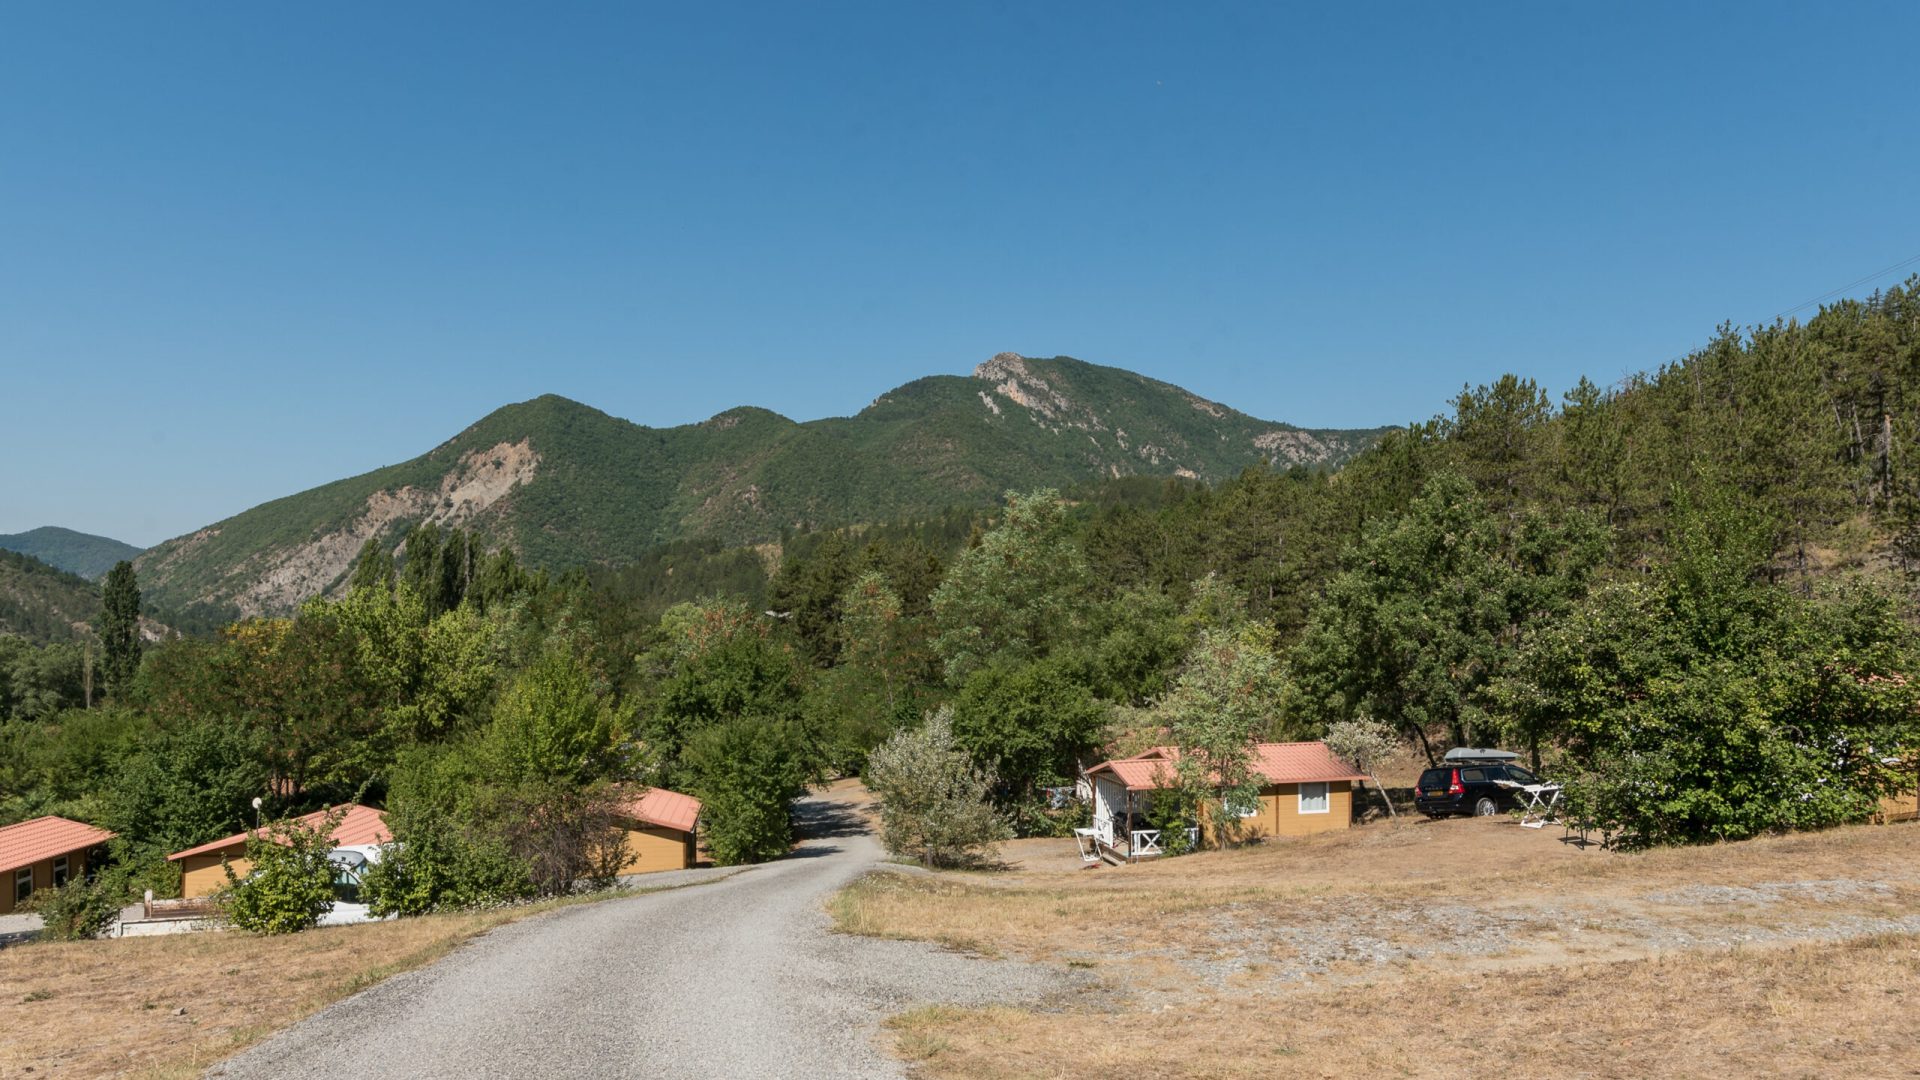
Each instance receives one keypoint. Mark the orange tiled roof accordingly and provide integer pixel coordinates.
(667, 809)
(1140, 773)
(361, 825)
(1301, 763)
(1276, 763)
(45, 838)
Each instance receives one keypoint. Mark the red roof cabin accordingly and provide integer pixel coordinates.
(1304, 789)
(45, 853)
(660, 831)
(200, 872)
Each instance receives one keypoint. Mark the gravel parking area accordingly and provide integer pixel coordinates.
(739, 977)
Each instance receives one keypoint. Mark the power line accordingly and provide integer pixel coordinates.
(1822, 298)
(1849, 286)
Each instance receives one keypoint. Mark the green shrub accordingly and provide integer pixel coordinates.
(76, 911)
(291, 885)
(1174, 810)
(935, 805)
(436, 866)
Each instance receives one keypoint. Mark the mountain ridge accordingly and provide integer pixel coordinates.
(42, 602)
(567, 484)
(85, 554)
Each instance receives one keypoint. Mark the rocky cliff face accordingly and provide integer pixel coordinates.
(1043, 389)
(1012, 379)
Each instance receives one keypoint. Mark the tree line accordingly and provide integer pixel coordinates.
(1690, 594)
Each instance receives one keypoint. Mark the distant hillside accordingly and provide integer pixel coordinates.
(568, 485)
(42, 602)
(75, 552)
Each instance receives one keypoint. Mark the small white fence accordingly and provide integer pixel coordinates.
(1141, 843)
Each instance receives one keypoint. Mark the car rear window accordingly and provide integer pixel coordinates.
(1435, 778)
(1473, 776)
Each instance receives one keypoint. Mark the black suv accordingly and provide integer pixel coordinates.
(1469, 787)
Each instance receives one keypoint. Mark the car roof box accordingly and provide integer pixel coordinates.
(1475, 753)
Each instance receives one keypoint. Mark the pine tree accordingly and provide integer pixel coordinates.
(120, 628)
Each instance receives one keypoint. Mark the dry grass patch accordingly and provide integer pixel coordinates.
(1398, 884)
(1374, 950)
(170, 1006)
(1801, 1011)
(1424, 858)
(965, 912)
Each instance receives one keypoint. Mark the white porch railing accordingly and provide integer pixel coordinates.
(1141, 843)
(1148, 841)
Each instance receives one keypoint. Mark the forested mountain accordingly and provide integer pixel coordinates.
(566, 485)
(75, 552)
(41, 602)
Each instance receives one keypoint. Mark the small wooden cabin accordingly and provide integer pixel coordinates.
(1304, 789)
(661, 826)
(45, 853)
(200, 872)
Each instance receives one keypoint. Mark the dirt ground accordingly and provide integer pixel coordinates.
(1404, 934)
(850, 792)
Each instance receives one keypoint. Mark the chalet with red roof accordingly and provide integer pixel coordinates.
(1304, 789)
(200, 867)
(45, 853)
(660, 831)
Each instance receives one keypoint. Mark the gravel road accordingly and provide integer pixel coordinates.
(737, 978)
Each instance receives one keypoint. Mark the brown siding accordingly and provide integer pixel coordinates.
(651, 848)
(1280, 813)
(1902, 807)
(200, 875)
(1289, 821)
(42, 876)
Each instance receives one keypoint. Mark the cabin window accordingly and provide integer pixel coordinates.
(1242, 804)
(59, 871)
(22, 884)
(1314, 799)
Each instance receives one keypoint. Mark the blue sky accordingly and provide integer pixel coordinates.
(246, 251)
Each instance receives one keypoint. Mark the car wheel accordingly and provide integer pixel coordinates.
(1485, 808)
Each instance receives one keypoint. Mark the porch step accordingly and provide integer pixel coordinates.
(1112, 857)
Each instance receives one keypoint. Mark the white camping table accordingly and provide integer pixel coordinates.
(1539, 803)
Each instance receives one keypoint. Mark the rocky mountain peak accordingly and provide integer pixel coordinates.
(1014, 380)
(1003, 366)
